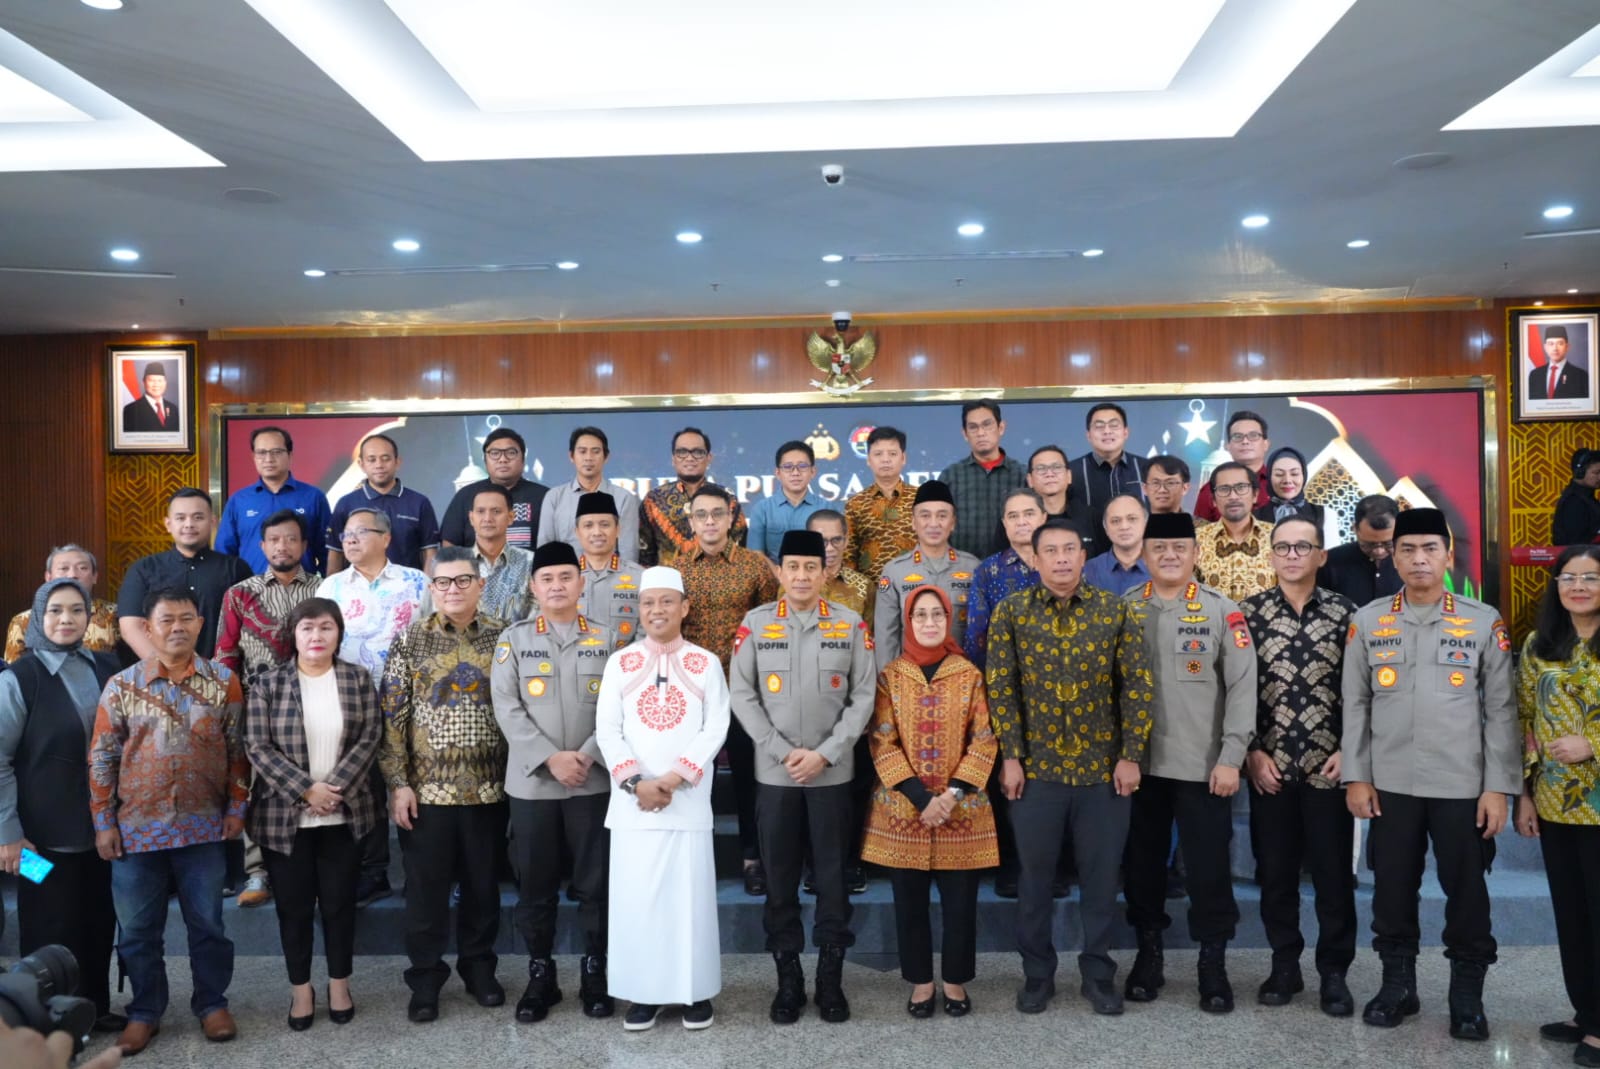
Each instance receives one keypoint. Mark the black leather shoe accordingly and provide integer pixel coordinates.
(921, 1010)
(1584, 1054)
(592, 989)
(300, 1024)
(487, 991)
(370, 889)
(1467, 1020)
(1281, 985)
(1035, 996)
(1102, 996)
(755, 880)
(957, 1007)
(1397, 998)
(422, 1008)
(1005, 884)
(809, 883)
(832, 1006)
(110, 1022)
(1148, 975)
(790, 1001)
(541, 993)
(855, 880)
(1216, 993)
(1335, 996)
(1561, 1032)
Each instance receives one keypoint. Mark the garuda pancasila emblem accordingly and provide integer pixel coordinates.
(841, 365)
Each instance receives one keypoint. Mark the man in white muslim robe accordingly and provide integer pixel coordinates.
(662, 718)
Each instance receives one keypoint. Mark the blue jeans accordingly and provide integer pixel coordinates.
(139, 884)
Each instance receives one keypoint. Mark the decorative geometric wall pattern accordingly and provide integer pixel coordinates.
(137, 488)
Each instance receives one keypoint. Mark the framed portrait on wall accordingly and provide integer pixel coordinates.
(1552, 353)
(150, 397)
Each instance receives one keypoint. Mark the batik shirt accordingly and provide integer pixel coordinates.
(440, 737)
(1237, 569)
(997, 577)
(851, 589)
(102, 634)
(721, 589)
(1299, 671)
(250, 637)
(374, 612)
(664, 527)
(1556, 698)
(879, 528)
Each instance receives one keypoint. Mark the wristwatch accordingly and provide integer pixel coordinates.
(959, 792)
(631, 784)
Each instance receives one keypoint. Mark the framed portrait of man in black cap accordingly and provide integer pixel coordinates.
(150, 397)
(1552, 362)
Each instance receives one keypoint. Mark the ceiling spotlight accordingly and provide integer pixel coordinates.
(689, 237)
(132, 326)
(104, 5)
(406, 245)
(832, 282)
(568, 265)
(315, 272)
(1558, 211)
(1254, 222)
(127, 256)
(1538, 304)
(1574, 289)
(832, 258)
(1094, 252)
(969, 230)
(1358, 243)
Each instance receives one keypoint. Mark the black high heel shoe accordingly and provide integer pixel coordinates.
(300, 1024)
(341, 1016)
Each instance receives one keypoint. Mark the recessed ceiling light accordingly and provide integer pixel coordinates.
(831, 282)
(832, 258)
(1538, 304)
(1358, 243)
(104, 5)
(127, 256)
(406, 245)
(969, 230)
(133, 326)
(315, 272)
(568, 265)
(1574, 289)
(689, 237)
(1254, 222)
(1094, 252)
(1558, 211)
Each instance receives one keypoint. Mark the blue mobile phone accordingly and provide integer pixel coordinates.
(34, 868)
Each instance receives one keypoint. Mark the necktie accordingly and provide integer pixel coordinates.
(161, 415)
(1550, 388)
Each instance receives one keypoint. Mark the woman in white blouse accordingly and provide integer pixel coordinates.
(312, 728)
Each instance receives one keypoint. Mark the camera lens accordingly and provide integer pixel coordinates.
(53, 968)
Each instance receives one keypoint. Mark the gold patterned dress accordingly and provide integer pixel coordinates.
(1556, 698)
(936, 731)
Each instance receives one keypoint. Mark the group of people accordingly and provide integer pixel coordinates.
(999, 668)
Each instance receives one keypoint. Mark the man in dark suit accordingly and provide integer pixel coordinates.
(1558, 379)
(152, 412)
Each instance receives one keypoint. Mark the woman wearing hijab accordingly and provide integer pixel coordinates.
(1558, 699)
(930, 820)
(1286, 488)
(47, 708)
(312, 730)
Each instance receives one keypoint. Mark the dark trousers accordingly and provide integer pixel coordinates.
(375, 844)
(958, 918)
(72, 907)
(1007, 841)
(318, 875)
(742, 765)
(1098, 820)
(1398, 845)
(1309, 826)
(863, 782)
(539, 829)
(1205, 826)
(450, 844)
(786, 817)
(1572, 864)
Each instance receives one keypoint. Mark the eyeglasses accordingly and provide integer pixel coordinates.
(1376, 547)
(691, 454)
(715, 514)
(1297, 549)
(352, 534)
(442, 583)
(836, 541)
(1232, 490)
(1589, 579)
(793, 469)
(1107, 425)
(271, 454)
(511, 453)
(1240, 437)
(1164, 484)
(987, 425)
(924, 616)
(1048, 469)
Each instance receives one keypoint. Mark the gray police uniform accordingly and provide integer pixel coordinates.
(804, 680)
(1430, 720)
(546, 683)
(611, 597)
(952, 572)
(1204, 665)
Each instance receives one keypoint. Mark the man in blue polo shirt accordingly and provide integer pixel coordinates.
(413, 530)
(240, 530)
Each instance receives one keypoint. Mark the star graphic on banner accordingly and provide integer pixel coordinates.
(1199, 430)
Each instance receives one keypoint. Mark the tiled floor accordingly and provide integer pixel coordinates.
(1523, 991)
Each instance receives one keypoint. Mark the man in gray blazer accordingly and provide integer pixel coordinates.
(546, 683)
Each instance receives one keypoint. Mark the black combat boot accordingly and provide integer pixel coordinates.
(1466, 1000)
(541, 992)
(831, 1003)
(1216, 993)
(1397, 998)
(597, 1001)
(1282, 984)
(1334, 996)
(1147, 977)
(790, 1001)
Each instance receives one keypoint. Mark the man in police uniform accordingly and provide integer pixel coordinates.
(934, 561)
(1205, 712)
(803, 684)
(1430, 752)
(546, 682)
(610, 583)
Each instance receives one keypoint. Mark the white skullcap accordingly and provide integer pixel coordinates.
(659, 578)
